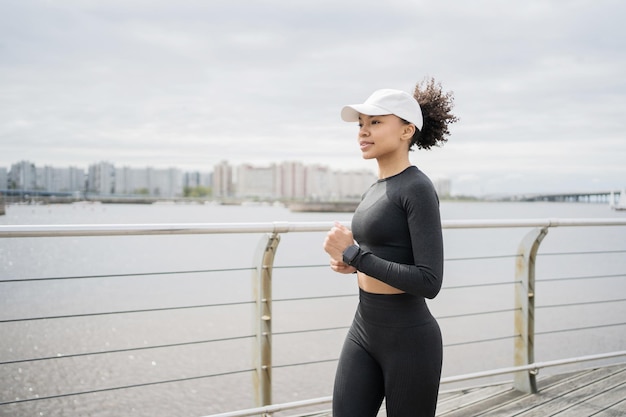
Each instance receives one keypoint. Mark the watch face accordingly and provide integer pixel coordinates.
(350, 254)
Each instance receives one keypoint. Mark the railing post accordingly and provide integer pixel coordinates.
(526, 381)
(262, 287)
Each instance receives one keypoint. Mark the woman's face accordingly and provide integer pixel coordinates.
(383, 137)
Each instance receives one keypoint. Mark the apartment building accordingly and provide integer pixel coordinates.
(295, 181)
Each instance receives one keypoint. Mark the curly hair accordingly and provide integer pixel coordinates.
(436, 111)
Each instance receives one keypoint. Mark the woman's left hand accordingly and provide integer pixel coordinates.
(341, 267)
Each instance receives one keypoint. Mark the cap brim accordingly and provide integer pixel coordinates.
(351, 112)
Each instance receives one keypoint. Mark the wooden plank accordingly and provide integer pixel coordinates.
(615, 410)
(503, 399)
(479, 407)
(556, 393)
(472, 396)
(578, 393)
(530, 405)
(445, 396)
(608, 398)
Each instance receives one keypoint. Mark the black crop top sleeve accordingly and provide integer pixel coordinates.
(398, 228)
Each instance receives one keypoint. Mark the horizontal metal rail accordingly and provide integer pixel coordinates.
(270, 409)
(74, 230)
(533, 367)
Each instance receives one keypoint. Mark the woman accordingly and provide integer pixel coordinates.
(393, 350)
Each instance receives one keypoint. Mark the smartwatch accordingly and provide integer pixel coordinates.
(350, 254)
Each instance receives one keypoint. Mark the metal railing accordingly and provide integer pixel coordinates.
(524, 370)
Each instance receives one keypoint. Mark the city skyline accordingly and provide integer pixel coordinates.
(290, 180)
(441, 182)
(189, 84)
(208, 169)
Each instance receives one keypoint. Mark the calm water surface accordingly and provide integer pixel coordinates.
(199, 275)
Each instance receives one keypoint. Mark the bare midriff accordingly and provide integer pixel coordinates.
(372, 285)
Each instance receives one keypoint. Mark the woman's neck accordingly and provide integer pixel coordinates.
(388, 169)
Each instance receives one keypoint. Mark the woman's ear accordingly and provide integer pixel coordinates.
(408, 131)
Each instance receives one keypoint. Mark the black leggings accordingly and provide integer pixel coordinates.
(393, 351)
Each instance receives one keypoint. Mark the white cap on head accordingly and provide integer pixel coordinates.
(383, 102)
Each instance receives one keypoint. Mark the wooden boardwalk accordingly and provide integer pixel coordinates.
(594, 392)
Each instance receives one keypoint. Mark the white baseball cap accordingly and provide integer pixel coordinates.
(383, 102)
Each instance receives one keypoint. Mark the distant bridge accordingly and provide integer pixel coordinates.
(575, 197)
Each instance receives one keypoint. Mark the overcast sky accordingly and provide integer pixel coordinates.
(539, 85)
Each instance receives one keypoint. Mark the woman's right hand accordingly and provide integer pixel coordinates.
(339, 237)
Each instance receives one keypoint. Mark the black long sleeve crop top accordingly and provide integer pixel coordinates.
(398, 228)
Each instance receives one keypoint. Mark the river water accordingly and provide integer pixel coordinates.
(116, 274)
